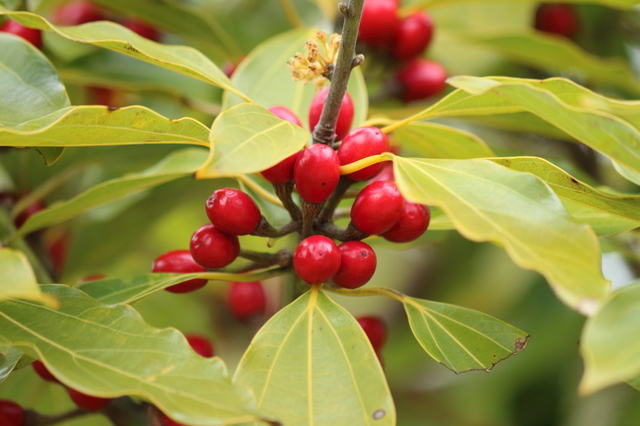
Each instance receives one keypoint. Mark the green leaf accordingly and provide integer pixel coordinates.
(18, 279)
(49, 154)
(112, 36)
(265, 78)
(133, 289)
(438, 141)
(601, 131)
(248, 139)
(603, 224)
(569, 188)
(99, 126)
(312, 364)
(31, 87)
(9, 359)
(609, 343)
(462, 339)
(109, 351)
(522, 122)
(176, 165)
(628, 174)
(518, 211)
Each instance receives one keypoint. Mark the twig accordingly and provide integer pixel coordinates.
(265, 229)
(330, 205)
(282, 258)
(309, 213)
(350, 234)
(33, 418)
(284, 191)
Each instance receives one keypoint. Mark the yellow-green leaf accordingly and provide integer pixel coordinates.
(610, 345)
(248, 139)
(18, 279)
(9, 359)
(488, 202)
(176, 165)
(439, 141)
(110, 351)
(312, 364)
(109, 35)
(602, 223)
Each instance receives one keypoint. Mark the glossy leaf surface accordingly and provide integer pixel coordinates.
(18, 279)
(603, 224)
(488, 202)
(438, 141)
(312, 364)
(248, 139)
(129, 356)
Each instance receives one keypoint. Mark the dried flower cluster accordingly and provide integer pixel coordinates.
(315, 64)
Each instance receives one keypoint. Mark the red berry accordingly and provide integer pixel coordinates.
(316, 172)
(316, 259)
(213, 249)
(233, 212)
(28, 212)
(375, 329)
(142, 28)
(345, 117)
(560, 19)
(33, 36)
(413, 36)
(420, 79)
(167, 421)
(412, 224)
(357, 264)
(385, 173)
(379, 22)
(285, 113)
(77, 12)
(228, 68)
(11, 414)
(283, 171)
(377, 207)
(87, 402)
(182, 262)
(44, 372)
(361, 143)
(201, 345)
(246, 300)
(102, 96)
(7, 199)
(58, 249)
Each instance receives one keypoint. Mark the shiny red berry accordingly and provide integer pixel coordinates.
(33, 36)
(316, 259)
(233, 211)
(246, 300)
(28, 212)
(201, 345)
(377, 207)
(44, 372)
(142, 28)
(213, 249)
(11, 414)
(357, 264)
(87, 402)
(283, 171)
(179, 261)
(379, 23)
(361, 143)
(375, 329)
(286, 114)
(420, 79)
(316, 173)
(412, 224)
(560, 19)
(77, 12)
(413, 36)
(345, 117)
(167, 421)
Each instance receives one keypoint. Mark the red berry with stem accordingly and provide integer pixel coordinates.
(201, 345)
(379, 22)
(345, 116)
(87, 402)
(283, 171)
(316, 259)
(233, 212)
(179, 261)
(377, 207)
(316, 173)
(11, 414)
(357, 264)
(560, 19)
(246, 300)
(420, 79)
(375, 329)
(361, 143)
(77, 12)
(44, 372)
(142, 28)
(412, 224)
(33, 36)
(213, 249)
(413, 36)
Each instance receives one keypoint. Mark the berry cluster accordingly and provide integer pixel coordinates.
(404, 40)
